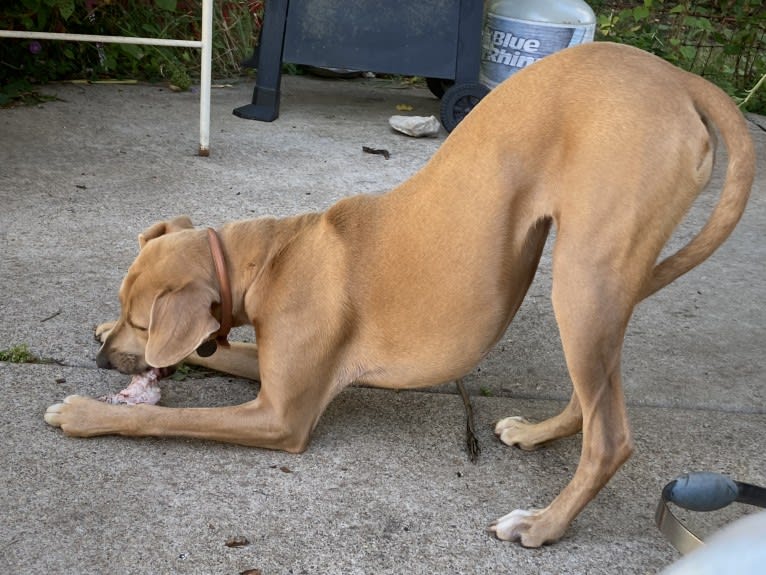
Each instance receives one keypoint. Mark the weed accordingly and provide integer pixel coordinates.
(185, 371)
(18, 354)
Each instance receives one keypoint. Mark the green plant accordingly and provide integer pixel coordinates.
(22, 91)
(18, 354)
(26, 63)
(186, 371)
(723, 40)
(753, 91)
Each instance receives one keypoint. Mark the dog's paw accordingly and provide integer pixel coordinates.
(56, 415)
(516, 431)
(512, 527)
(527, 526)
(75, 416)
(102, 331)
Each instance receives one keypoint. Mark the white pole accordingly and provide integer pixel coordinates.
(206, 44)
(102, 39)
(205, 74)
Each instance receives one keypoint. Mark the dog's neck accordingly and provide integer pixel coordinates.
(222, 336)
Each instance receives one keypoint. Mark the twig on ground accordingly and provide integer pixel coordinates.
(471, 440)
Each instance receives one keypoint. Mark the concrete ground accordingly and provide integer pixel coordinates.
(386, 486)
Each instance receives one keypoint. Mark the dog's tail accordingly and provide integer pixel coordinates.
(717, 108)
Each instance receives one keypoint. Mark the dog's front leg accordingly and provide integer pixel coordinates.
(239, 359)
(258, 423)
(290, 401)
(102, 330)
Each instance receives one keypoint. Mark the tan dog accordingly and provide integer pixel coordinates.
(413, 287)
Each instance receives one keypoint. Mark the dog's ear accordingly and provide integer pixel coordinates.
(162, 228)
(180, 321)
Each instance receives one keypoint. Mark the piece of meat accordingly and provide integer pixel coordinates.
(143, 388)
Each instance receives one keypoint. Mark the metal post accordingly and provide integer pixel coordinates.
(206, 45)
(205, 74)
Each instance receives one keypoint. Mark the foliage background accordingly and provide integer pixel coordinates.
(24, 63)
(723, 40)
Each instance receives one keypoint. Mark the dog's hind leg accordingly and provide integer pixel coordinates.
(592, 304)
(528, 436)
(518, 430)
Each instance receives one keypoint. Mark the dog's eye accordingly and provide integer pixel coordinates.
(138, 327)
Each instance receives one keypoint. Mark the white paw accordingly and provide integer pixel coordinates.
(513, 431)
(53, 414)
(102, 331)
(513, 422)
(514, 526)
(80, 416)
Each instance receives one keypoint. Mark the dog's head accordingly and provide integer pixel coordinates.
(166, 300)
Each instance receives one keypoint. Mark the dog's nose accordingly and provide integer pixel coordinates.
(103, 361)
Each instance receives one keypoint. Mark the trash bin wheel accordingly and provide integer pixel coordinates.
(438, 86)
(458, 101)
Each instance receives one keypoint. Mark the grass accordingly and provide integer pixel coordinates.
(186, 371)
(19, 354)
